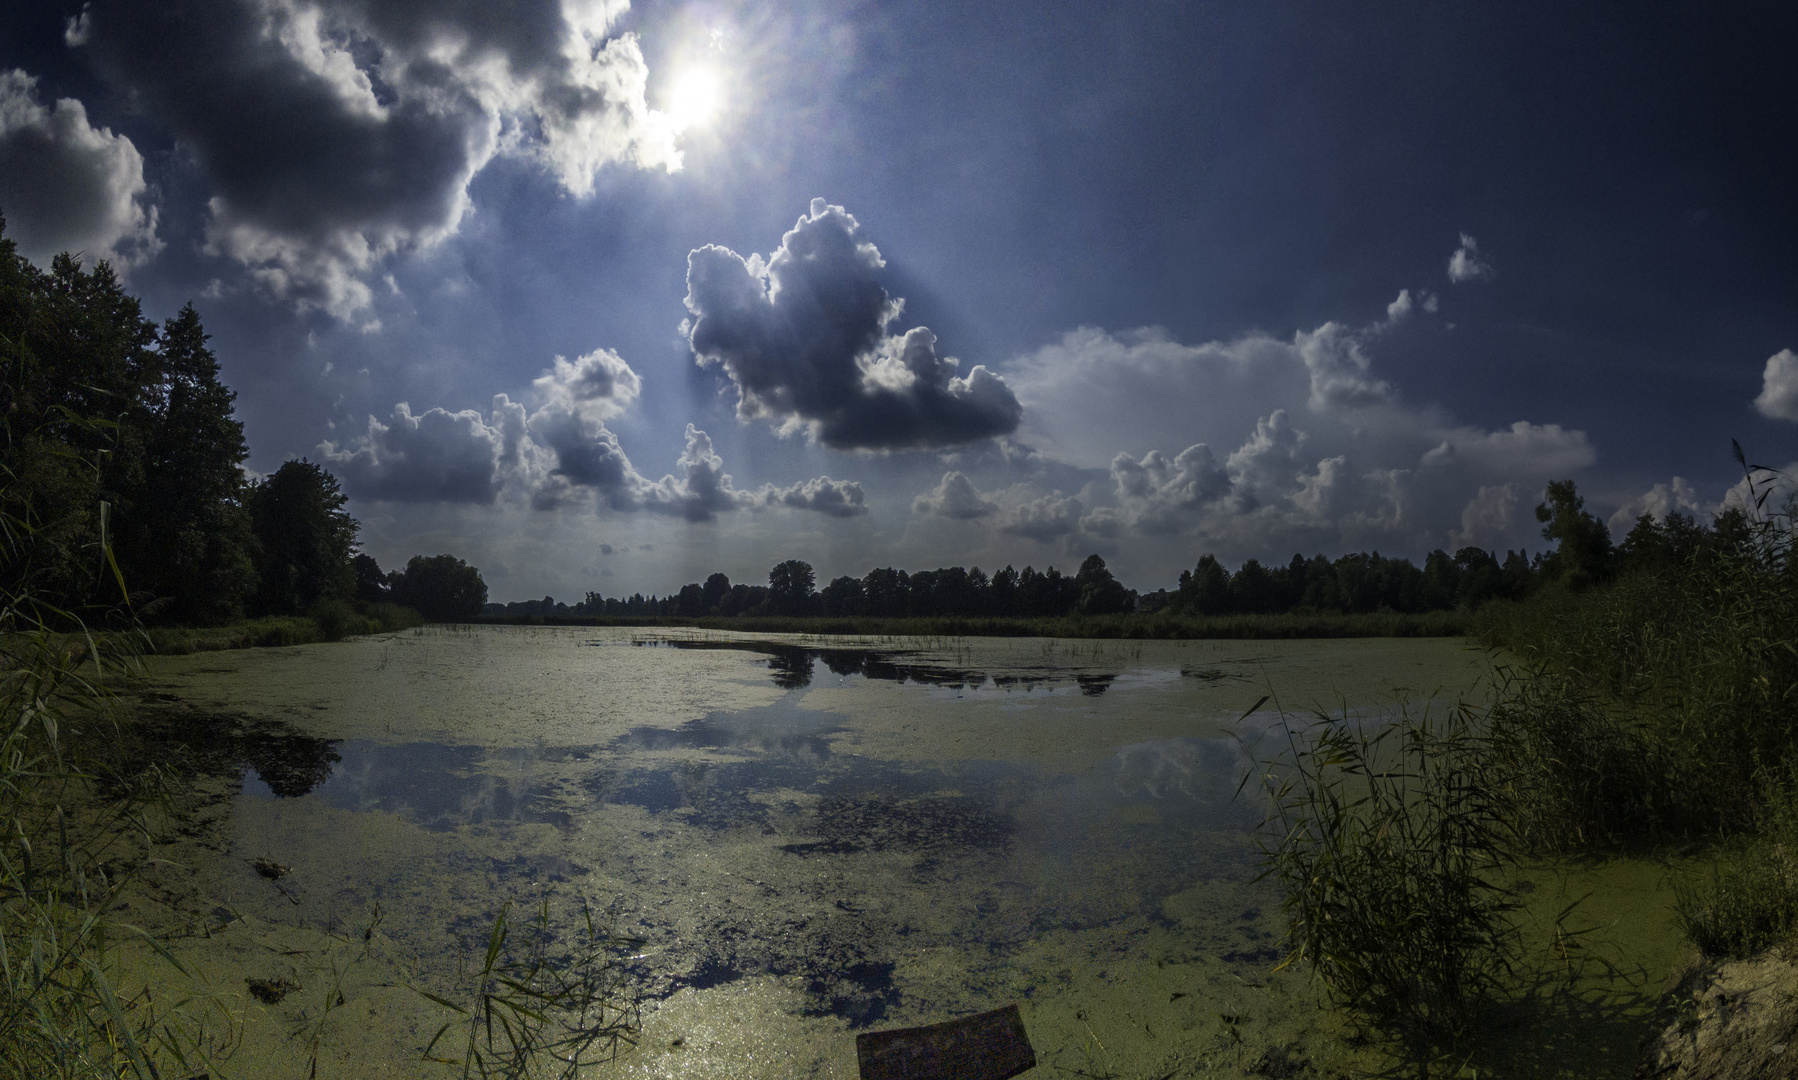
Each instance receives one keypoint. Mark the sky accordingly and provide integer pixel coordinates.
(606, 297)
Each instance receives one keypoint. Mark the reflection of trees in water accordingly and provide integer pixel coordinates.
(794, 665)
(792, 668)
(1094, 685)
(290, 764)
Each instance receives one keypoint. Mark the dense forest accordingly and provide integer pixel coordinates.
(121, 471)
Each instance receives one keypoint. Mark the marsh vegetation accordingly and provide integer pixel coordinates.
(1643, 703)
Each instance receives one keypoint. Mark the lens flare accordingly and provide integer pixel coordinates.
(694, 97)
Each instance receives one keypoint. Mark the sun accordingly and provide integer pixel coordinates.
(694, 97)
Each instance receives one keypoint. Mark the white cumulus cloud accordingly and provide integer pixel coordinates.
(1779, 387)
(559, 454)
(1466, 264)
(1292, 443)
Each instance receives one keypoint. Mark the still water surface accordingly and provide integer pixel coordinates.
(810, 837)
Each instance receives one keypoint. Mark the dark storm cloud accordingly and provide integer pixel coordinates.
(586, 455)
(68, 186)
(803, 336)
(435, 456)
(338, 133)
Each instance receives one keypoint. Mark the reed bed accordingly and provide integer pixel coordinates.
(1389, 846)
(76, 816)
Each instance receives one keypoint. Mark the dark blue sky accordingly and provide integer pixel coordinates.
(1169, 234)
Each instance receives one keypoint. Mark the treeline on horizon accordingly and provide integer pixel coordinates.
(121, 475)
(1353, 584)
(1358, 583)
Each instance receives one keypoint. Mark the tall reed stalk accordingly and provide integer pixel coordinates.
(1387, 845)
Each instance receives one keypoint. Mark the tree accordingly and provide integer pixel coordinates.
(185, 534)
(887, 592)
(305, 539)
(1003, 592)
(371, 584)
(790, 587)
(1253, 589)
(844, 596)
(1099, 593)
(442, 588)
(75, 357)
(1206, 591)
(716, 588)
(1584, 553)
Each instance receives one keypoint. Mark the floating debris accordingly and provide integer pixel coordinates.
(986, 1046)
(271, 991)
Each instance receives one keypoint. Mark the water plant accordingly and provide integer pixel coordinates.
(74, 814)
(543, 996)
(1389, 845)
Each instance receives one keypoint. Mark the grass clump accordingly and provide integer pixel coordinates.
(74, 814)
(1389, 846)
(1749, 900)
(547, 1001)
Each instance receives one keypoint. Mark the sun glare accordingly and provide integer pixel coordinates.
(695, 96)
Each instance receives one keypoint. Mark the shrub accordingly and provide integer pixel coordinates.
(1387, 847)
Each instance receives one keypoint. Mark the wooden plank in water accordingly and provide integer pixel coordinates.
(986, 1046)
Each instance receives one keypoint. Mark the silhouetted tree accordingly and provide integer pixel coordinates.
(186, 535)
(790, 588)
(1206, 590)
(1098, 592)
(716, 588)
(371, 584)
(1584, 552)
(305, 539)
(78, 358)
(1003, 592)
(442, 588)
(844, 596)
(887, 592)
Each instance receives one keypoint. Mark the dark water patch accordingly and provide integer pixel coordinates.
(433, 785)
(283, 761)
(779, 729)
(703, 794)
(537, 869)
(927, 824)
(1210, 675)
(860, 992)
(838, 959)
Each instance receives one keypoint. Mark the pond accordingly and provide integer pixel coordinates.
(807, 838)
